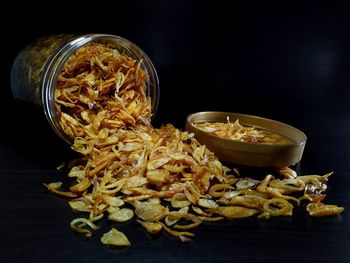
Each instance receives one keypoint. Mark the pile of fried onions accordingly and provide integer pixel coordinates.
(161, 176)
(238, 132)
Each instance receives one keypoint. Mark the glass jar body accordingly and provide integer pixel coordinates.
(37, 67)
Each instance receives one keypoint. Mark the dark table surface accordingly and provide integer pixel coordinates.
(285, 60)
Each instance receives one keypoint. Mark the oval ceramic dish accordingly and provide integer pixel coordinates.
(247, 153)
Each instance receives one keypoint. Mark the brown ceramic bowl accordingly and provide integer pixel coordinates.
(246, 153)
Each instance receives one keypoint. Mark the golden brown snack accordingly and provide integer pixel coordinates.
(162, 175)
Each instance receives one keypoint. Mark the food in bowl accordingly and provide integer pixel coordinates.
(249, 141)
(236, 131)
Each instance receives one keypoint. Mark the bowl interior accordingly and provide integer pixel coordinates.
(245, 153)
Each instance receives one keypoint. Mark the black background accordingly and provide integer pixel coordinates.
(285, 60)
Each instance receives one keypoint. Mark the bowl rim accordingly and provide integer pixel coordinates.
(301, 142)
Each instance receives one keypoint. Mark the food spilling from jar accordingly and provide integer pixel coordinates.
(163, 177)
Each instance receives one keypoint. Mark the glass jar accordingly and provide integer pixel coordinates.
(36, 69)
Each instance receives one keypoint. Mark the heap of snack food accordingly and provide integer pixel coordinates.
(161, 176)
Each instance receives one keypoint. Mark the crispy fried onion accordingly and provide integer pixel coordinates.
(77, 225)
(100, 88)
(115, 238)
(162, 176)
(195, 219)
(321, 209)
(277, 207)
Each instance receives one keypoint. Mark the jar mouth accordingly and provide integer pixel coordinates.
(57, 60)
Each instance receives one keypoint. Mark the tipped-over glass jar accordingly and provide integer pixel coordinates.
(37, 68)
